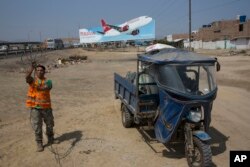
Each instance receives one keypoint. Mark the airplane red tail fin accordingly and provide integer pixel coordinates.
(105, 26)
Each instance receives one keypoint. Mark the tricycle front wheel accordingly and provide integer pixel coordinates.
(127, 117)
(201, 155)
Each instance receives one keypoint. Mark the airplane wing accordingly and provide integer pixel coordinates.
(115, 27)
(100, 32)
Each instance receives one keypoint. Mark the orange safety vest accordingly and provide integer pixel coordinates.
(38, 98)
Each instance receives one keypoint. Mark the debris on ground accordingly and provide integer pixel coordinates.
(239, 52)
(71, 60)
(60, 62)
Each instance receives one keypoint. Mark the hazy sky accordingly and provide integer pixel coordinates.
(34, 19)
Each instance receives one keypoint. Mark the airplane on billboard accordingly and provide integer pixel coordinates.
(130, 27)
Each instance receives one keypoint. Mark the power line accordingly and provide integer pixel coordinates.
(154, 7)
(215, 6)
(160, 12)
(165, 5)
(181, 18)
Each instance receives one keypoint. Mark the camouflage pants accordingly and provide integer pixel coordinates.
(37, 117)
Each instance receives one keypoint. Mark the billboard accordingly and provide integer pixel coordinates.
(141, 28)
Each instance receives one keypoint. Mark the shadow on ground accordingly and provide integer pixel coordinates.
(176, 149)
(72, 138)
(218, 142)
(76, 136)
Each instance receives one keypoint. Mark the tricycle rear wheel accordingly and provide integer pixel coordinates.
(127, 117)
(202, 156)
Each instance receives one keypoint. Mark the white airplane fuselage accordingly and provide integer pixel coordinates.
(133, 25)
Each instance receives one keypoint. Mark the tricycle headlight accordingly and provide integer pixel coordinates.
(194, 116)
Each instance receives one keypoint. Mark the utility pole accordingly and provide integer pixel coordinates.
(77, 34)
(29, 35)
(40, 34)
(189, 25)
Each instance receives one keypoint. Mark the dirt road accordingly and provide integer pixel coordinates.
(88, 119)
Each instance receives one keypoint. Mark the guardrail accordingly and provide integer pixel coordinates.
(17, 51)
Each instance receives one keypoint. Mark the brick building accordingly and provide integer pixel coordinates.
(223, 34)
(218, 30)
(223, 30)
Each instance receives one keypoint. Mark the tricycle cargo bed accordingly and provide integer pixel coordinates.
(126, 92)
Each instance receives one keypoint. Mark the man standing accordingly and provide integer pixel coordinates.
(38, 101)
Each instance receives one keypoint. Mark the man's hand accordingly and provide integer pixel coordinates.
(28, 77)
(33, 64)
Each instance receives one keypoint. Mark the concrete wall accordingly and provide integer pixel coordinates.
(242, 43)
(223, 44)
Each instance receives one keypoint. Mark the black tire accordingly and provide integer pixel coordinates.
(127, 117)
(202, 155)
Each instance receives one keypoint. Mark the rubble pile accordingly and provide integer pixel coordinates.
(58, 63)
(239, 52)
(71, 60)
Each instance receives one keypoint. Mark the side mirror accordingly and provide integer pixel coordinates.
(217, 65)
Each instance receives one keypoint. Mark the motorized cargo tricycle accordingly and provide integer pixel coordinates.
(172, 91)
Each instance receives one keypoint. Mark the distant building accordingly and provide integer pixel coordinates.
(223, 34)
(175, 37)
(70, 42)
(224, 29)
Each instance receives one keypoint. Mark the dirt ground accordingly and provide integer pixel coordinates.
(88, 120)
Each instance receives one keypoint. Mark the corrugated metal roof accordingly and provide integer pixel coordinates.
(175, 56)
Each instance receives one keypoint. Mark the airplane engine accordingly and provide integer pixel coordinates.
(125, 28)
(135, 32)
